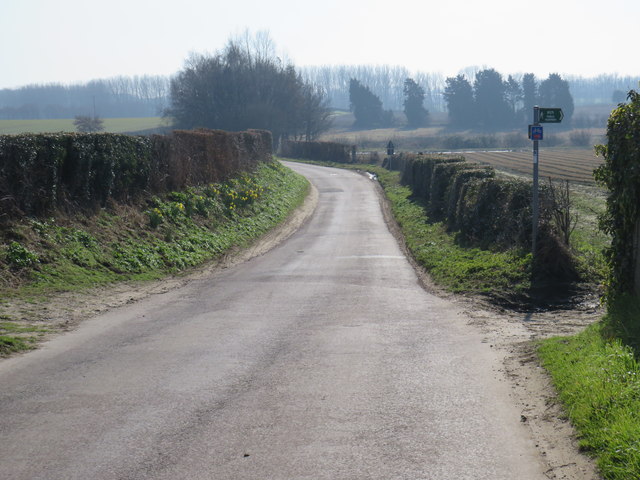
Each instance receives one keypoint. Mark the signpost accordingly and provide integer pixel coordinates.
(540, 115)
(390, 147)
(550, 115)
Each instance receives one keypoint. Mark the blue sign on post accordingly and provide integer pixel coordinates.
(536, 132)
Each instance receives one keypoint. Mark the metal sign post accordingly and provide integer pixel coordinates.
(534, 201)
(540, 115)
(390, 147)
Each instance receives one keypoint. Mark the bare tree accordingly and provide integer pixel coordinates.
(563, 218)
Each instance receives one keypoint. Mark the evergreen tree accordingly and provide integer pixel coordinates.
(554, 92)
(367, 107)
(529, 96)
(458, 95)
(87, 124)
(491, 99)
(514, 96)
(417, 115)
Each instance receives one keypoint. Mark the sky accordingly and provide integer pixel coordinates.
(74, 41)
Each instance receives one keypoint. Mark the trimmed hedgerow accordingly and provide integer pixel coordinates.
(40, 172)
(486, 211)
(320, 151)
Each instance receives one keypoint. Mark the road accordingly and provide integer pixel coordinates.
(322, 359)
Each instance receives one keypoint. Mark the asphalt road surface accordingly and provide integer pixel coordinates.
(322, 359)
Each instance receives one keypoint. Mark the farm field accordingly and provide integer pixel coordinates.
(111, 125)
(575, 165)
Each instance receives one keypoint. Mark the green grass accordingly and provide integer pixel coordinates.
(16, 337)
(11, 344)
(111, 125)
(597, 376)
(499, 275)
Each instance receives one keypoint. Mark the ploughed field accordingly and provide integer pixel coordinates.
(576, 165)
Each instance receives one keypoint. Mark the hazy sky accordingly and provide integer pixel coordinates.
(69, 41)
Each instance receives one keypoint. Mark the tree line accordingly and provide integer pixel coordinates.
(247, 85)
(138, 96)
(492, 102)
(387, 82)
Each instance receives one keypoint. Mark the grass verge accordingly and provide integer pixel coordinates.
(505, 277)
(500, 275)
(597, 376)
(41, 257)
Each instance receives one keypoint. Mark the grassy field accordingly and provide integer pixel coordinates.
(112, 125)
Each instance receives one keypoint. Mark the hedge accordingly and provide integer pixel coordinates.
(320, 151)
(620, 174)
(42, 172)
(485, 211)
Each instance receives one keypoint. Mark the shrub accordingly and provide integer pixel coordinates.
(620, 174)
(515, 140)
(19, 256)
(580, 138)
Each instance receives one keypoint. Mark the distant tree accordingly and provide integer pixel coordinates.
(554, 92)
(367, 107)
(458, 94)
(86, 124)
(619, 96)
(491, 99)
(514, 95)
(246, 86)
(314, 112)
(417, 115)
(529, 96)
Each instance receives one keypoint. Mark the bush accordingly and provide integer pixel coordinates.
(580, 138)
(20, 257)
(416, 170)
(620, 174)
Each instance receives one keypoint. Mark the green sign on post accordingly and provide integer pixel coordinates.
(550, 115)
